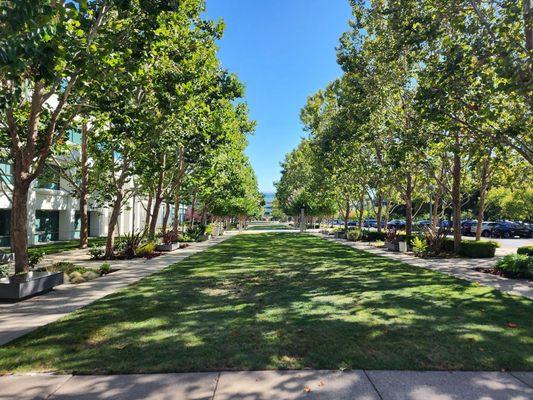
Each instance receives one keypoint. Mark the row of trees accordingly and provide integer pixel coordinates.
(141, 82)
(433, 111)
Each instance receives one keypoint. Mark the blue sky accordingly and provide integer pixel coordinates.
(283, 51)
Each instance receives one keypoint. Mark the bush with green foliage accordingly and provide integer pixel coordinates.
(208, 230)
(478, 249)
(354, 235)
(146, 249)
(373, 236)
(96, 252)
(420, 246)
(516, 266)
(35, 257)
(65, 267)
(4, 270)
(526, 250)
(104, 269)
(447, 245)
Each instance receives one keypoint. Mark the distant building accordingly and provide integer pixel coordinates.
(269, 198)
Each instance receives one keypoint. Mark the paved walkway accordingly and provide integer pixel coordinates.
(17, 319)
(278, 385)
(458, 267)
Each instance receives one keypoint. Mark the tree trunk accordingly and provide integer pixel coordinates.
(166, 217)
(380, 210)
(115, 213)
(158, 199)
(193, 206)
(456, 195)
(482, 195)
(409, 204)
(435, 216)
(346, 215)
(19, 225)
(148, 211)
(84, 190)
(527, 11)
(361, 210)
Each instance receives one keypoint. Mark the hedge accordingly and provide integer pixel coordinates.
(527, 250)
(447, 245)
(516, 266)
(372, 236)
(478, 249)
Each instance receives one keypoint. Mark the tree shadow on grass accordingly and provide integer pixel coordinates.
(286, 301)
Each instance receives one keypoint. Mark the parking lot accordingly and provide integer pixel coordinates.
(507, 246)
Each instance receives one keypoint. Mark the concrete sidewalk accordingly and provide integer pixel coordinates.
(459, 267)
(282, 385)
(17, 319)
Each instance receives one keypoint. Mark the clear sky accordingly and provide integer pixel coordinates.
(283, 51)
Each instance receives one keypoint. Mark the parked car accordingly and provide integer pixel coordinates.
(466, 227)
(486, 228)
(353, 224)
(396, 224)
(370, 223)
(511, 229)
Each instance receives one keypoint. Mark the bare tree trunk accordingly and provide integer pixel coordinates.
(148, 211)
(115, 213)
(380, 210)
(19, 225)
(482, 196)
(456, 195)
(361, 210)
(527, 11)
(409, 204)
(435, 216)
(346, 214)
(84, 190)
(158, 200)
(166, 217)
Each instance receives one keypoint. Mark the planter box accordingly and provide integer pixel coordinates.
(402, 247)
(167, 247)
(392, 246)
(18, 287)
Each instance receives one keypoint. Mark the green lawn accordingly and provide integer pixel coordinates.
(58, 247)
(280, 300)
(267, 227)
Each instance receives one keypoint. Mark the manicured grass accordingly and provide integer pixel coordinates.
(59, 247)
(280, 300)
(269, 227)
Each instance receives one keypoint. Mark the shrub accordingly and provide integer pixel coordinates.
(526, 250)
(146, 249)
(104, 269)
(65, 267)
(35, 257)
(373, 236)
(90, 275)
(478, 249)
(208, 230)
(354, 235)
(420, 246)
(447, 244)
(169, 237)
(96, 252)
(516, 266)
(4, 270)
(75, 277)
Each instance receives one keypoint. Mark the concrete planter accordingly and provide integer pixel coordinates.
(402, 247)
(167, 247)
(392, 246)
(18, 287)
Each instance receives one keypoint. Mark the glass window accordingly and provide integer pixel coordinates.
(6, 172)
(74, 136)
(5, 228)
(49, 179)
(46, 225)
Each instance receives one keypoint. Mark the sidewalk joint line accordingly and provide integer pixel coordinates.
(519, 379)
(216, 386)
(372, 383)
(58, 387)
